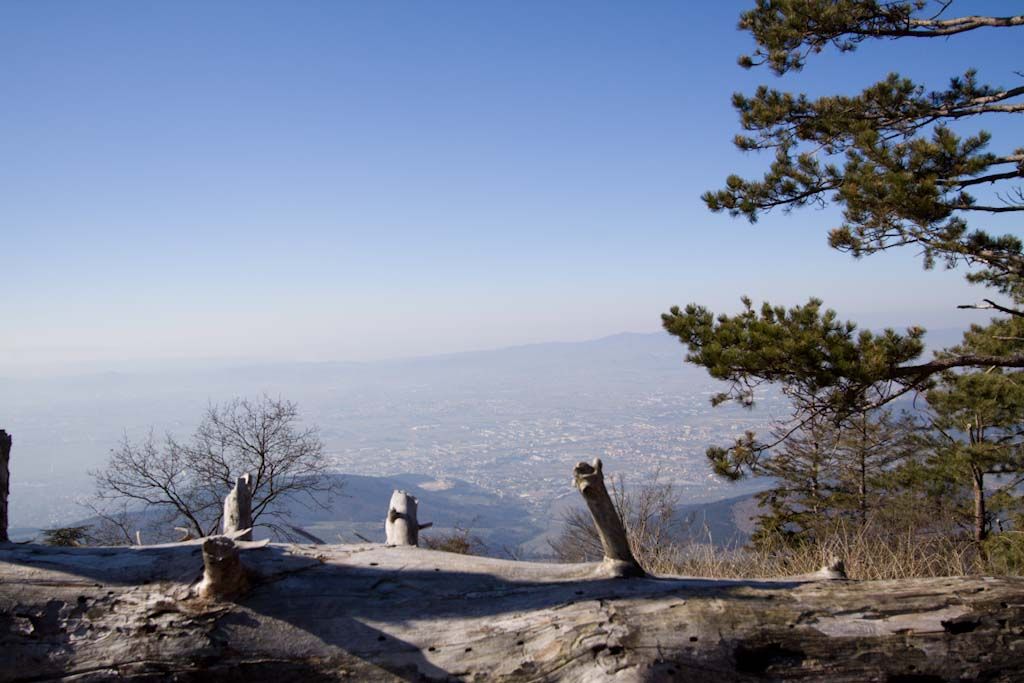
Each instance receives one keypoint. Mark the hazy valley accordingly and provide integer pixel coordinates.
(510, 422)
(460, 429)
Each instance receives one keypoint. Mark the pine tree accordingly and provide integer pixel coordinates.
(824, 472)
(891, 158)
(804, 472)
(974, 455)
(870, 448)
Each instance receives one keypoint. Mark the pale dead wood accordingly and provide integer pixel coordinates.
(401, 526)
(375, 613)
(618, 558)
(223, 574)
(238, 507)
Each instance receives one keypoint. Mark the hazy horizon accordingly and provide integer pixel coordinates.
(512, 420)
(936, 336)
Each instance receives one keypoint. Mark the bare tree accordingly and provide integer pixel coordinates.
(118, 523)
(187, 481)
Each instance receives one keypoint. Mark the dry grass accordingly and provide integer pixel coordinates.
(900, 542)
(869, 552)
(459, 540)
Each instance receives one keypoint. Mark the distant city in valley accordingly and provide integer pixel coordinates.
(512, 422)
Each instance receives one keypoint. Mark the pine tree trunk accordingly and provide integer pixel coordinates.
(862, 491)
(980, 522)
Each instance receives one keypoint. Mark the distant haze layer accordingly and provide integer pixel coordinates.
(512, 420)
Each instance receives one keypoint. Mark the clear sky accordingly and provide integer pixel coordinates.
(357, 180)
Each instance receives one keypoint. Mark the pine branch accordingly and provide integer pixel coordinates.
(988, 304)
(923, 370)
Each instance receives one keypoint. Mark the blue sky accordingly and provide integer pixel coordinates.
(359, 180)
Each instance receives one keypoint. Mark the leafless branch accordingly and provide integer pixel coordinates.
(190, 479)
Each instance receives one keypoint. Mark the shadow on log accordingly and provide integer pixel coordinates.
(376, 613)
(399, 613)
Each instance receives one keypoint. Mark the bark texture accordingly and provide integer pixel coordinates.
(618, 557)
(5, 482)
(377, 613)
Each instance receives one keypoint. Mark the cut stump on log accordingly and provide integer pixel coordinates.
(224, 577)
(402, 526)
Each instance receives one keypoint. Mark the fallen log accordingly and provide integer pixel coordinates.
(375, 613)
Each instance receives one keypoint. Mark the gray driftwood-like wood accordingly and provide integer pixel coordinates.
(224, 577)
(376, 613)
(618, 558)
(401, 526)
(238, 508)
(5, 481)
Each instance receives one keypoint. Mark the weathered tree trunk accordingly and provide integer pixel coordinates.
(376, 613)
(238, 509)
(5, 481)
(223, 574)
(618, 558)
(401, 527)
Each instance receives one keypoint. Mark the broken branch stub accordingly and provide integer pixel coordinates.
(589, 480)
(238, 508)
(223, 573)
(835, 568)
(5, 481)
(401, 525)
